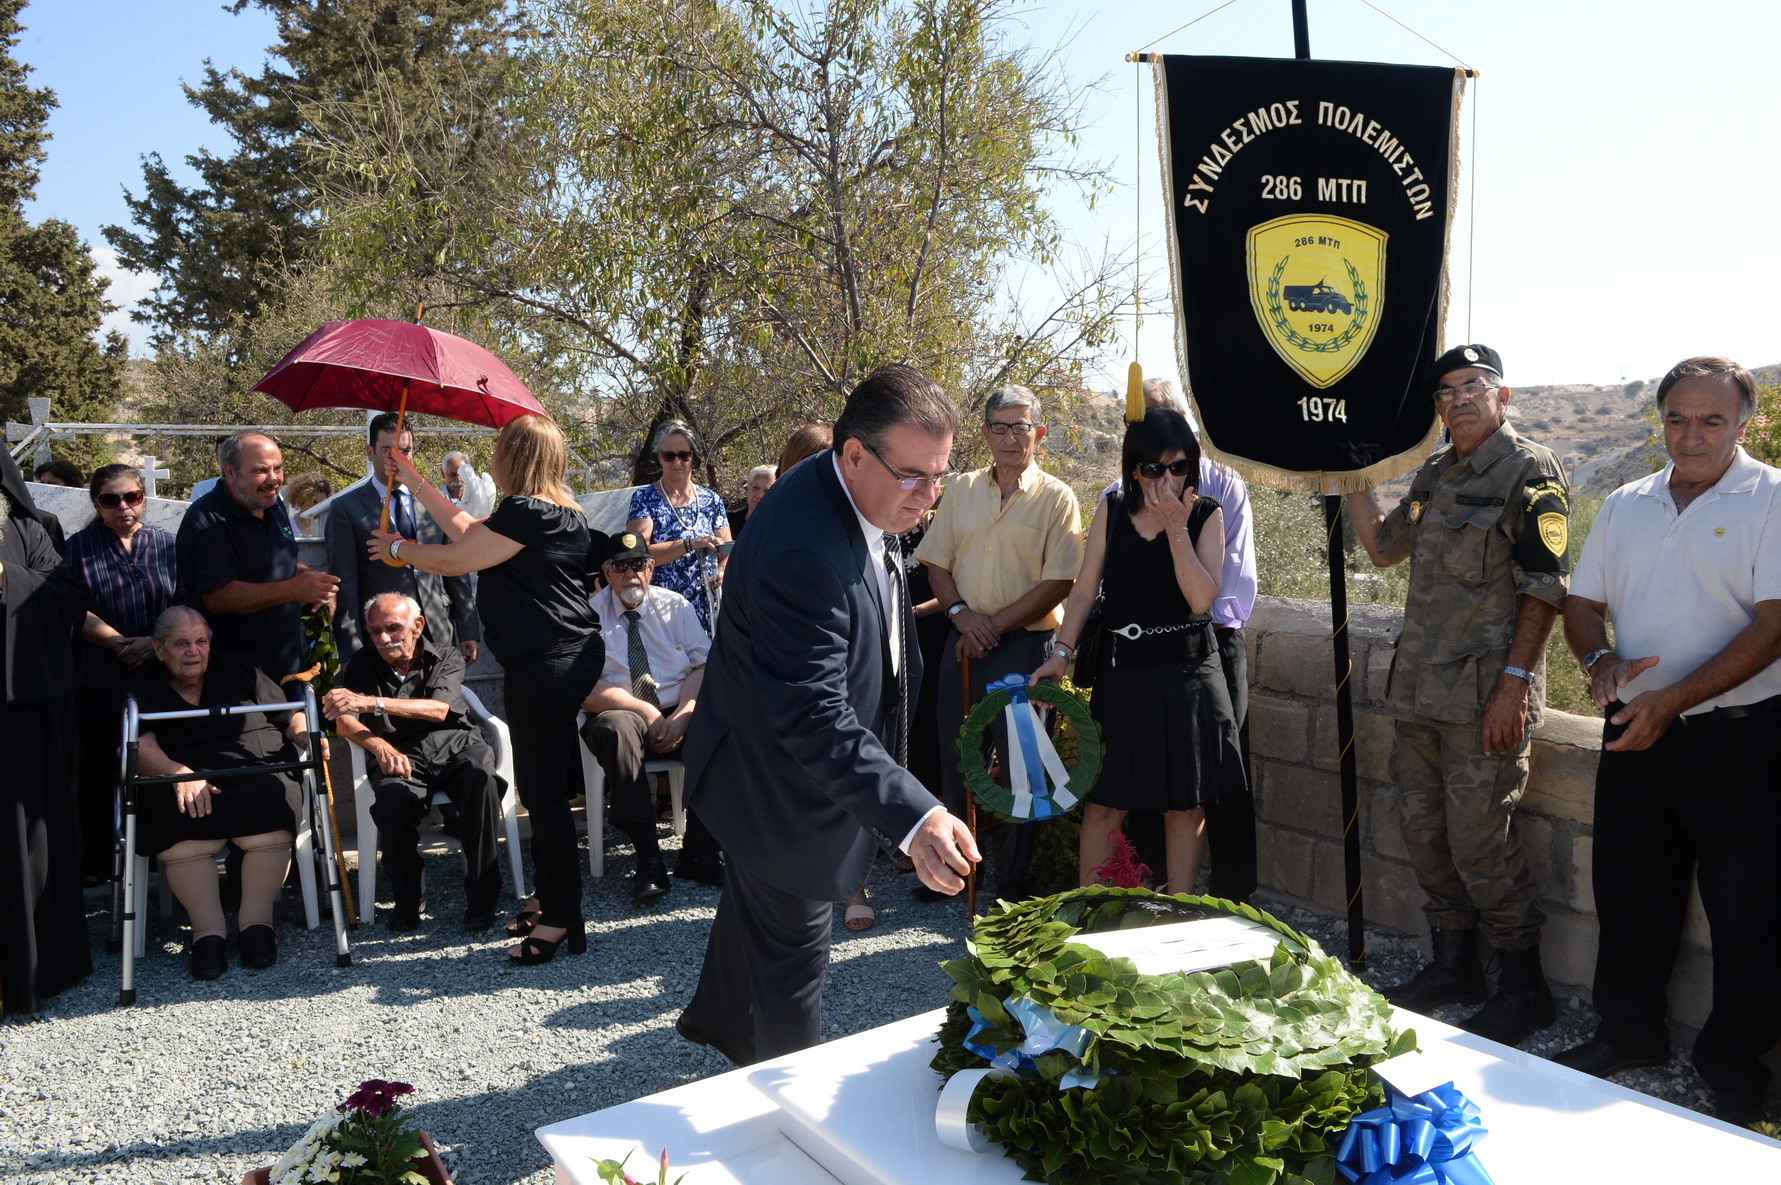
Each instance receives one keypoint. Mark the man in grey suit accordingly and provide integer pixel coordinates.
(794, 759)
(447, 602)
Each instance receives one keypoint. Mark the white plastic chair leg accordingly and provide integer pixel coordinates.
(593, 784)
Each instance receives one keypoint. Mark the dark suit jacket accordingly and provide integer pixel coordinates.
(788, 758)
(449, 602)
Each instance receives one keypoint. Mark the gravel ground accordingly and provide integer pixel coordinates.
(202, 1081)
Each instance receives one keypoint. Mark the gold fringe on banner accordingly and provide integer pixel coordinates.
(1255, 472)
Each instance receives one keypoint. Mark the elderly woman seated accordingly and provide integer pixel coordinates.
(187, 823)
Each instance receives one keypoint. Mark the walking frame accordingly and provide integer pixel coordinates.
(128, 920)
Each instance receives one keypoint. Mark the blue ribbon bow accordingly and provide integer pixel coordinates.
(1423, 1139)
(1044, 1032)
(1044, 805)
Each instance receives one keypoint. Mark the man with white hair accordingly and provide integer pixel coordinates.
(401, 700)
(643, 705)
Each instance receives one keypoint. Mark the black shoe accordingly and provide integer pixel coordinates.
(650, 881)
(923, 893)
(259, 947)
(737, 1054)
(535, 951)
(1455, 976)
(1738, 1107)
(1523, 1002)
(707, 868)
(478, 920)
(210, 957)
(1602, 1058)
(402, 920)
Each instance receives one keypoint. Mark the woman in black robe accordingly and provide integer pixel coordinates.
(43, 932)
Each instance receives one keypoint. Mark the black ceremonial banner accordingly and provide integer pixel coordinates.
(1310, 204)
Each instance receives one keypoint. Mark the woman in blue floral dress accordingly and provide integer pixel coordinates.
(683, 523)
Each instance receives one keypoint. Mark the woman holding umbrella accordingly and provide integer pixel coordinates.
(533, 553)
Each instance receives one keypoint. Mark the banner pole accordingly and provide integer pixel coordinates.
(1301, 31)
(1357, 937)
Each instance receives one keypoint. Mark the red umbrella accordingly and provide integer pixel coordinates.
(395, 365)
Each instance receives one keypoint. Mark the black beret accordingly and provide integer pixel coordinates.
(1458, 358)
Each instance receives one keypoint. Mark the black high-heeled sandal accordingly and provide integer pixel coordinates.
(523, 922)
(535, 951)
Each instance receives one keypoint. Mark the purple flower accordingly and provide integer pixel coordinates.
(376, 1097)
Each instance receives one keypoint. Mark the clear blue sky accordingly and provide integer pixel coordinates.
(1626, 158)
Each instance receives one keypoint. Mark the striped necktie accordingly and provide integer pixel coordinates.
(643, 684)
(898, 614)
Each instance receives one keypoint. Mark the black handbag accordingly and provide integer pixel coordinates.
(1093, 638)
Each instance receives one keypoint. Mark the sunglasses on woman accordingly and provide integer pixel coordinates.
(113, 501)
(685, 454)
(1155, 469)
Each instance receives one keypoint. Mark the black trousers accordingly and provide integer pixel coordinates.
(760, 990)
(619, 742)
(1020, 652)
(544, 695)
(459, 763)
(1701, 801)
(1230, 819)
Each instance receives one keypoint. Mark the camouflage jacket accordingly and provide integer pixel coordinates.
(1480, 534)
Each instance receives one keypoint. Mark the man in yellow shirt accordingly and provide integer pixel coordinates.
(1003, 550)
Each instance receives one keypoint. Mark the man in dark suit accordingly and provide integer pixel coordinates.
(794, 757)
(447, 602)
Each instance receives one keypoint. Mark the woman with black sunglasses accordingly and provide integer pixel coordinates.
(1155, 552)
(684, 524)
(128, 573)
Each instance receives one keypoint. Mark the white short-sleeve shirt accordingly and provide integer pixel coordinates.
(1682, 585)
(672, 637)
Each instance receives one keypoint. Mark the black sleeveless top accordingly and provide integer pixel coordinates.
(1138, 574)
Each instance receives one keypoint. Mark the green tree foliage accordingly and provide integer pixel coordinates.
(217, 245)
(53, 298)
(728, 212)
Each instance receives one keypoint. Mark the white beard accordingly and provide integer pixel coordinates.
(630, 598)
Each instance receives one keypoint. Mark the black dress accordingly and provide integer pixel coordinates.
(249, 805)
(1160, 699)
(43, 930)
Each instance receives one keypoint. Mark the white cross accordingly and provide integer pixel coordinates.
(150, 474)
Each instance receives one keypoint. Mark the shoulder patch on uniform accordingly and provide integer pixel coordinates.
(1547, 486)
(1555, 532)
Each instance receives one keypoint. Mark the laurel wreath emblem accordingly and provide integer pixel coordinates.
(1336, 344)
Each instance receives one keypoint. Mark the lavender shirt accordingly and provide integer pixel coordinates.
(1236, 583)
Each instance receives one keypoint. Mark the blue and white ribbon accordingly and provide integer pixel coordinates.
(1044, 1033)
(1423, 1139)
(1031, 757)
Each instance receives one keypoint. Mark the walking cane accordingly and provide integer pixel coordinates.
(352, 913)
(970, 798)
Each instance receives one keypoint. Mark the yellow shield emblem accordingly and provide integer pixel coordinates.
(1317, 284)
(1554, 532)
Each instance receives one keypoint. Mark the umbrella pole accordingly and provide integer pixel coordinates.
(389, 488)
(970, 798)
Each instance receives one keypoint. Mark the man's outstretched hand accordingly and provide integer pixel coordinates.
(943, 851)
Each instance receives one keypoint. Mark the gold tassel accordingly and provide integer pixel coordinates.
(1134, 393)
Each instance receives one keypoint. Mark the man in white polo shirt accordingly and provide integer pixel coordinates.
(1687, 564)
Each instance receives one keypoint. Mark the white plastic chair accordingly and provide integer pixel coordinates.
(593, 781)
(494, 730)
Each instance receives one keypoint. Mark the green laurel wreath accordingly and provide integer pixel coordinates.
(1294, 337)
(1246, 1074)
(999, 800)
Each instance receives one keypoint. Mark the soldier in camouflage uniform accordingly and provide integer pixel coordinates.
(1485, 528)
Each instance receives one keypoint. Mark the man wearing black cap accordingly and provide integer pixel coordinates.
(1485, 528)
(643, 705)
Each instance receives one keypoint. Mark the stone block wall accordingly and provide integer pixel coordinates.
(1292, 727)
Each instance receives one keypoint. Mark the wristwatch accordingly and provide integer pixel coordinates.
(396, 548)
(379, 709)
(1595, 656)
(956, 608)
(1524, 676)
(1055, 648)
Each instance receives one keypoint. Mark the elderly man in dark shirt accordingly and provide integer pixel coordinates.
(401, 700)
(238, 559)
